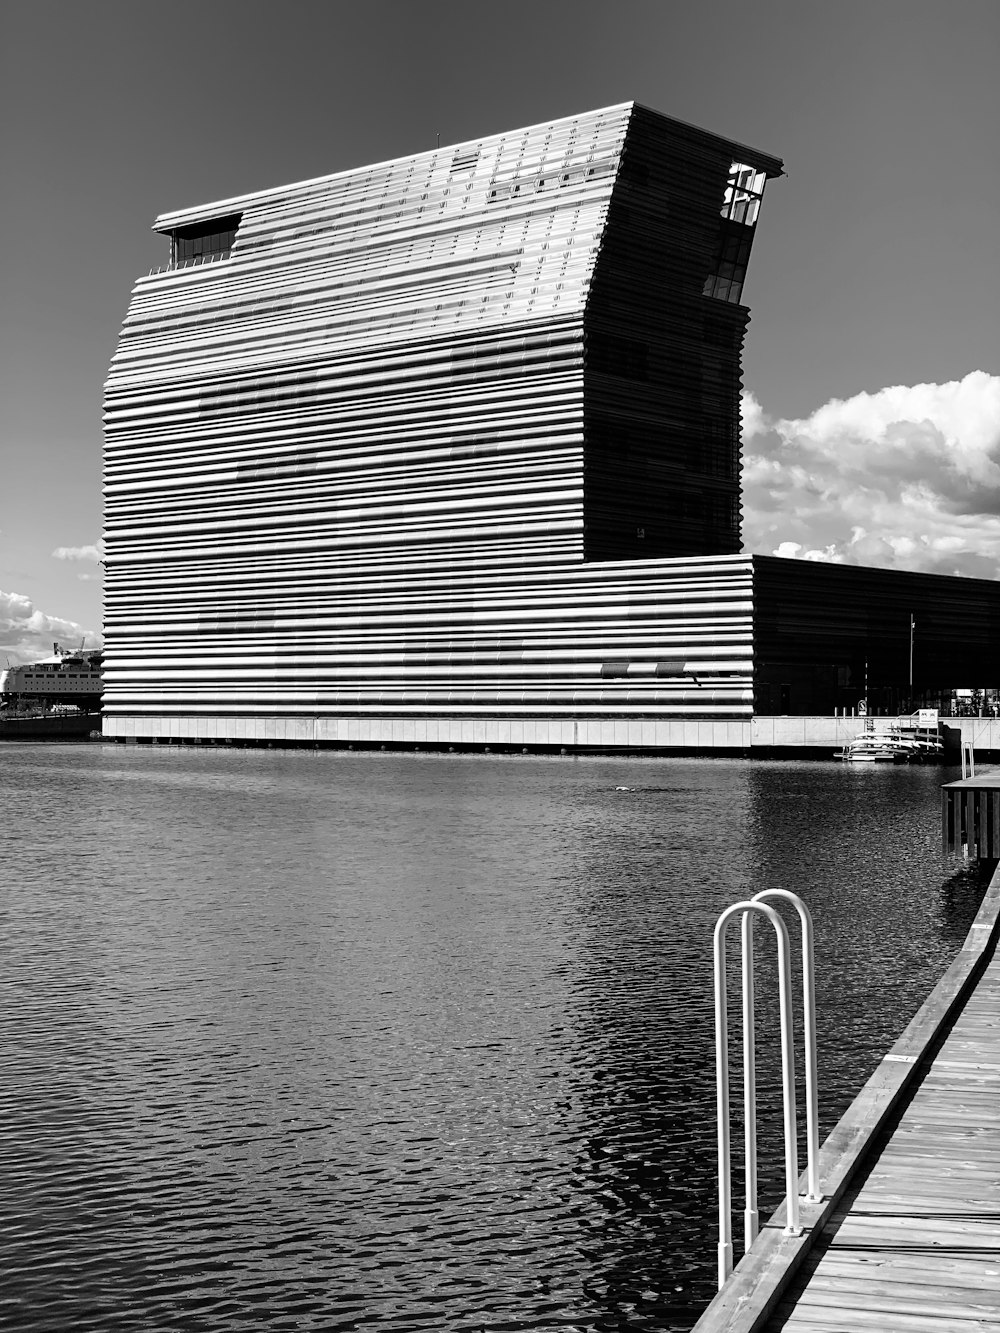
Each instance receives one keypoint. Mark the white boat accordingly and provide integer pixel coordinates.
(889, 743)
(870, 748)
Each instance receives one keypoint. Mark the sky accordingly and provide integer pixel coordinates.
(872, 362)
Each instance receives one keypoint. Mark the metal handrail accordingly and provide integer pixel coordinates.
(195, 261)
(792, 1227)
(814, 1194)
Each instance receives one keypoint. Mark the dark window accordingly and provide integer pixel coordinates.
(730, 268)
(203, 240)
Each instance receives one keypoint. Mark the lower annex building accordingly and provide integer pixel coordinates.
(446, 449)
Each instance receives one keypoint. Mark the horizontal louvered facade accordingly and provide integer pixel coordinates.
(450, 436)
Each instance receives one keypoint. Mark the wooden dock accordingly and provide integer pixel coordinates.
(907, 1239)
(970, 815)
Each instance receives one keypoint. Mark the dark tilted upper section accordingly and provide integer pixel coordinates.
(664, 334)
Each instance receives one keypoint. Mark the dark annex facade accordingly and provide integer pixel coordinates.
(447, 449)
(827, 636)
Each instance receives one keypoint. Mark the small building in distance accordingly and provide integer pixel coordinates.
(447, 450)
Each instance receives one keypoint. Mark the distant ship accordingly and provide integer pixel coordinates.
(69, 676)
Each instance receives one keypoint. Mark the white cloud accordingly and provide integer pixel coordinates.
(95, 551)
(754, 422)
(906, 478)
(27, 634)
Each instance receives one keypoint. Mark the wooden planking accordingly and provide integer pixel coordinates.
(883, 1320)
(936, 1195)
(908, 1274)
(919, 1245)
(937, 1302)
(345, 465)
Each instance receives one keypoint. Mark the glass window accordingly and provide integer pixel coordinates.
(744, 191)
(203, 239)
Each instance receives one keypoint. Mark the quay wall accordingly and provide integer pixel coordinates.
(466, 732)
(758, 735)
(982, 733)
(784, 733)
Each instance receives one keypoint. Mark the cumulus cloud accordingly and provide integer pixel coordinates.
(95, 552)
(27, 634)
(752, 417)
(906, 478)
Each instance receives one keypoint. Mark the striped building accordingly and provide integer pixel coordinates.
(449, 439)
(446, 450)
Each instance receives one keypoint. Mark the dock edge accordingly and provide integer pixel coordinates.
(758, 1282)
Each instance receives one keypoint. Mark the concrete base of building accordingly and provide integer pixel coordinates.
(501, 733)
(754, 736)
(758, 736)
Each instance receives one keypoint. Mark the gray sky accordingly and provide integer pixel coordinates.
(874, 265)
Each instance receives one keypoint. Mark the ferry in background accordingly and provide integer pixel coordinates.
(69, 676)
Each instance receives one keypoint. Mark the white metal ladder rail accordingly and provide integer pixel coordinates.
(747, 911)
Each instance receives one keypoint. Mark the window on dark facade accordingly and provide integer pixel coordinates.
(739, 211)
(731, 262)
(743, 194)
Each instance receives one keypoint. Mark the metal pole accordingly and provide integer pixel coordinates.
(912, 627)
(725, 1243)
(808, 1035)
(792, 1225)
(751, 1217)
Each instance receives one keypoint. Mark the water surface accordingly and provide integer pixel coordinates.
(331, 1041)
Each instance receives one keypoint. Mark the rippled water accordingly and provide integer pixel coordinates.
(325, 1041)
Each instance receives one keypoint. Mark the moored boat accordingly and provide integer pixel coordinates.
(889, 743)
